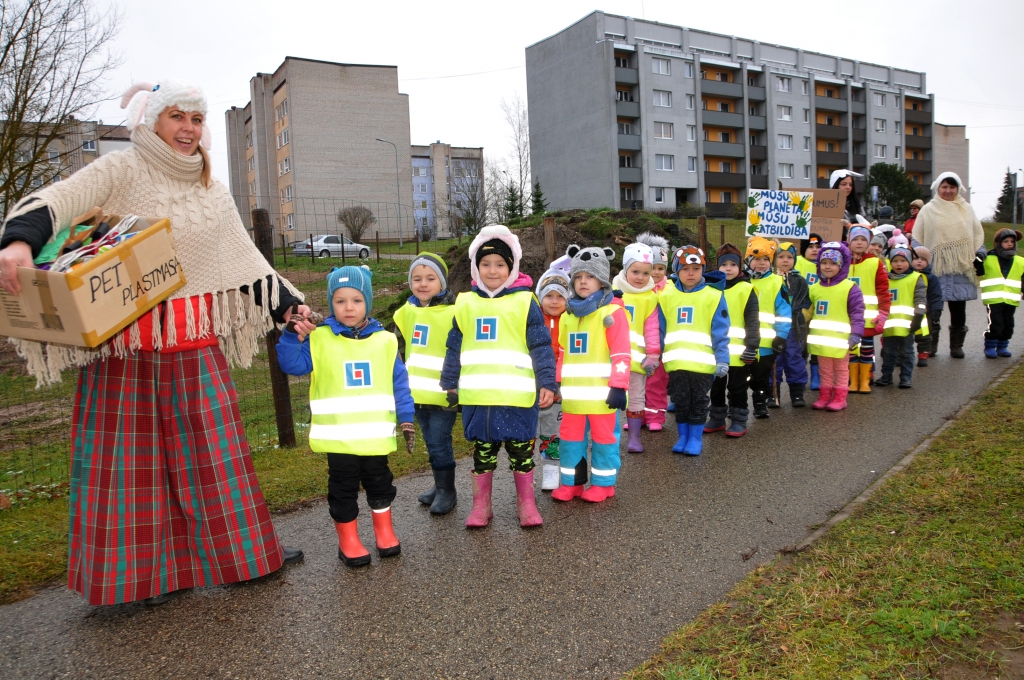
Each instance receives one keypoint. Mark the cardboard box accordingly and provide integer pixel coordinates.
(827, 213)
(89, 305)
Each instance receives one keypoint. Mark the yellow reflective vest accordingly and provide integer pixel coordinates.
(901, 308)
(639, 306)
(995, 288)
(807, 269)
(351, 393)
(586, 362)
(829, 332)
(767, 288)
(425, 330)
(688, 319)
(863, 274)
(736, 298)
(496, 366)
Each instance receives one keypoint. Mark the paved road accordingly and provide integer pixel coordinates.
(591, 594)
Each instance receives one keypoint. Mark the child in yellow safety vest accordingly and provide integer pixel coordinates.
(1000, 272)
(776, 314)
(656, 389)
(423, 323)
(641, 303)
(927, 345)
(552, 292)
(909, 306)
(358, 389)
(871, 275)
(594, 377)
(499, 366)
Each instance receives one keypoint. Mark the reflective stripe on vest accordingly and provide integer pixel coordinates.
(901, 310)
(807, 269)
(829, 334)
(688, 319)
(736, 298)
(425, 330)
(639, 306)
(767, 288)
(586, 362)
(496, 366)
(863, 274)
(995, 288)
(352, 393)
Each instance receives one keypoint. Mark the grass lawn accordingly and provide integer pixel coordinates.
(911, 585)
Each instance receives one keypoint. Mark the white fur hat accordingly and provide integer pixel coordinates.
(146, 101)
(637, 252)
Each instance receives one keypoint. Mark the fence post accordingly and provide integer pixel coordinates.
(284, 249)
(417, 243)
(264, 232)
(378, 245)
(549, 239)
(702, 233)
(721, 228)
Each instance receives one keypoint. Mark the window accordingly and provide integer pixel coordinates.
(914, 106)
(879, 125)
(422, 172)
(785, 113)
(830, 147)
(725, 137)
(622, 62)
(251, 164)
(896, 154)
(660, 66)
(691, 101)
(807, 172)
(752, 110)
(753, 140)
(89, 145)
(896, 101)
(707, 196)
(627, 193)
(879, 150)
(783, 84)
(830, 120)
(423, 205)
(37, 182)
(663, 131)
(707, 166)
(56, 178)
(785, 170)
(691, 164)
(725, 166)
(290, 222)
(807, 115)
(804, 87)
(279, 141)
(288, 193)
(915, 155)
(879, 98)
(623, 96)
(755, 169)
(287, 165)
(423, 221)
(707, 136)
(659, 195)
(915, 131)
(284, 108)
(280, 168)
(896, 127)
(703, 74)
(726, 197)
(664, 162)
(248, 141)
(625, 129)
(807, 143)
(625, 161)
(785, 141)
(751, 81)
(688, 70)
(723, 77)
(54, 157)
(252, 188)
(704, 104)
(830, 93)
(277, 113)
(691, 133)
(723, 107)
(662, 98)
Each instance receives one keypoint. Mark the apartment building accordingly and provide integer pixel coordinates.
(443, 178)
(951, 151)
(305, 145)
(82, 142)
(632, 113)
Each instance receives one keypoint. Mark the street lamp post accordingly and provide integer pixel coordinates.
(398, 188)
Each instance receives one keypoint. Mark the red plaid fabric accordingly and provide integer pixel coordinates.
(163, 492)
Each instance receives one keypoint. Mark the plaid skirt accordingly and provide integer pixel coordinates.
(163, 492)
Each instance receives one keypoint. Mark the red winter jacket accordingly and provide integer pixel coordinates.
(881, 291)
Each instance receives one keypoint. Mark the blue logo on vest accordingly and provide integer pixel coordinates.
(684, 315)
(812, 279)
(357, 374)
(894, 293)
(855, 279)
(577, 343)
(632, 312)
(420, 335)
(487, 329)
(822, 308)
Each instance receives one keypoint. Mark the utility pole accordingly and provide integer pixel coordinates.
(398, 188)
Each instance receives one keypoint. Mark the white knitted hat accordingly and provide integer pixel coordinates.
(637, 252)
(146, 101)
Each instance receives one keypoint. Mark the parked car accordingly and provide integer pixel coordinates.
(329, 245)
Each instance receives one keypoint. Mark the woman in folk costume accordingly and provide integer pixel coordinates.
(184, 508)
(948, 227)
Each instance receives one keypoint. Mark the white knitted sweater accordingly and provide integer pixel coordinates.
(215, 251)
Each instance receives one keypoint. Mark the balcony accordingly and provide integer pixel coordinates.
(759, 181)
(627, 204)
(860, 160)
(830, 104)
(758, 123)
(758, 153)
(627, 76)
(918, 142)
(627, 109)
(631, 175)
(728, 180)
(755, 94)
(724, 149)
(859, 107)
(832, 159)
(917, 165)
(629, 142)
(912, 116)
(720, 210)
(831, 131)
(723, 119)
(719, 89)
(860, 135)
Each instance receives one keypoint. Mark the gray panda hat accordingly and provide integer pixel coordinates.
(595, 261)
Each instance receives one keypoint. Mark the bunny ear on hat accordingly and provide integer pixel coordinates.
(136, 102)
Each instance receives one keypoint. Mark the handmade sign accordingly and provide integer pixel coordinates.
(828, 212)
(779, 214)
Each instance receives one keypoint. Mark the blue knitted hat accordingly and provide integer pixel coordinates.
(352, 277)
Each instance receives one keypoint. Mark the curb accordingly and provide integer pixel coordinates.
(902, 464)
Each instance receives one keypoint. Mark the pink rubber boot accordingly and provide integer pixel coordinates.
(529, 516)
(596, 494)
(480, 515)
(838, 402)
(824, 397)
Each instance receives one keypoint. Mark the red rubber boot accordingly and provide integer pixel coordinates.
(387, 542)
(350, 548)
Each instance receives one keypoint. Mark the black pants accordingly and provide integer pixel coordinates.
(760, 377)
(346, 472)
(957, 313)
(1000, 321)
(690, 393)
(736, 383)
(926, 343)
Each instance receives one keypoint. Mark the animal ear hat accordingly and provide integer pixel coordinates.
(594, 261)
(145, 102)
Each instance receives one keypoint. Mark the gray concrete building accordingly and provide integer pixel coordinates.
(626, 112)
(951, 151)
(305, 146)
(443, 178)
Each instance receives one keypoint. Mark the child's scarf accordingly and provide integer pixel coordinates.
(582, 306)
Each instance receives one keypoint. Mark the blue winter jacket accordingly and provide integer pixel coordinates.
(719, 324)
(504, 423)
(935, 300)
(295, 359)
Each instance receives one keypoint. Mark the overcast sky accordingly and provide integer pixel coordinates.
(968, 49)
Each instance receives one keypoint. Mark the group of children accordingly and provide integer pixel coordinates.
(545, 371)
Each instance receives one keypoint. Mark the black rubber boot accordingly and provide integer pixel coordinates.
(796, 396)
(956, 341)
(444, 499)
(427, 497)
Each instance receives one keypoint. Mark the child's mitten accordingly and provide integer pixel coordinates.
(721, 370)
(778, 345)
(749, 355)
(409, 432)
(650, 365)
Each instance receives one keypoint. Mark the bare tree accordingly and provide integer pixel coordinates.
(470, 209)
(357, 219)
(54, 57)
(519, 164)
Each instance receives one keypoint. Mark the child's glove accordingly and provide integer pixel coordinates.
(616, 398)
(749, 355)
(979, 264)
(409, 432)
(778, 345)
(650, 365)
(452, 397)
(854, 340)
(721, 370)
(915, 325)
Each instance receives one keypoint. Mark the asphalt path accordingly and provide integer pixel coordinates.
(590, 594)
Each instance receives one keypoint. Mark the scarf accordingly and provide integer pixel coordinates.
(953, 234)
(582, 306)
(620, 283)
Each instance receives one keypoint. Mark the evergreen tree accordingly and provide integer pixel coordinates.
(1004, 206)
(513, 204)
(895, 187)
(539, 205)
